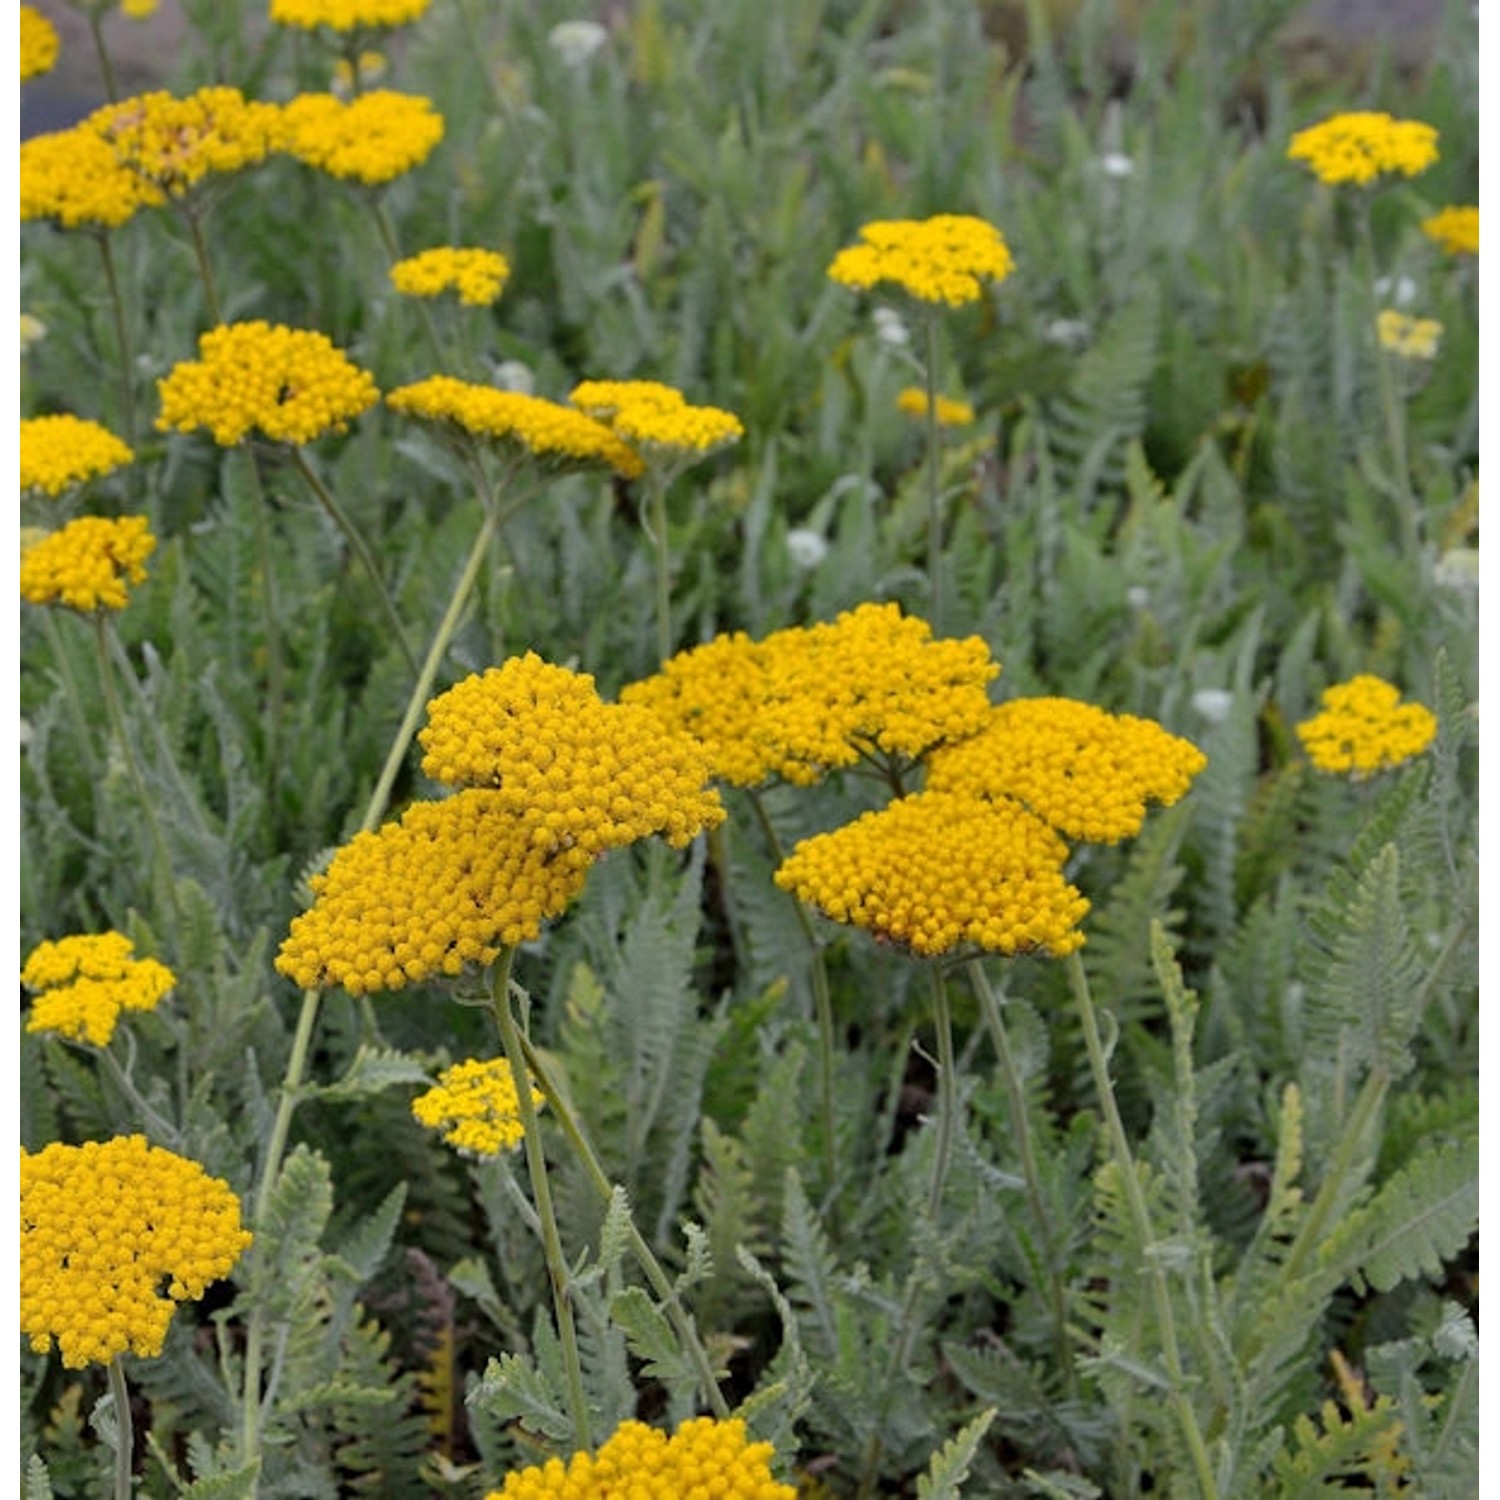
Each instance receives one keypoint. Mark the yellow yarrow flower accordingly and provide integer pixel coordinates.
(138, 10)
(114, 1234)
(1364, 728)
(950, 412)
(1408, 337)
(74, 178)
(1456, 229)
(936, 871)
(544, 429)
(602, 399)
(944, 260)
(286, 384)
(1359, 147)
(372, 139)
(86, 981)
(474, 1105)
(478, 276)
(88, 564)
(582, 773)
(346, 15)
(1087, 773)
(58, 452)
(657, 418)
(39, 43)
(704, 1456)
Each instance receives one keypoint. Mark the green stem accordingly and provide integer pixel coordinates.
(275, 668)
(360, 548)
(106, 68)
(1135, 1199)
(392, 247)
(205, 266)
(657, 530)
(934, 478)
(541, 1192)
(122, 340)
(72, 695)
(124, 1428)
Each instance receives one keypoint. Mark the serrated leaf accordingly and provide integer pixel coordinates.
(38, 1484)
(374, 1069)
(363, 1249)
(232, 1484)
(512, 1388)
(950, 1464)
(649, 1335)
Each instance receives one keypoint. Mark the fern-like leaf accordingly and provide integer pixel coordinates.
(951, 1463)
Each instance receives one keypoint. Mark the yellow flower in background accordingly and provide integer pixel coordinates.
(39, 43)
(372, 139)
(474, 1105)
(1456, 229)
(1361, 146)
(347, 15)
(114, 1234)
(1365, 727)
(544, 429)
(286, 384)
(1086, 772)
(85, 982)
(942, 260)
(478, 276)
(60, 451)
(138, 10)
(704, 1456)
(369, 67)
(936, 871)
(74, 178)
(88, 564)
(657, 418)
(33, 331)
(1411, 338)
(950, 412)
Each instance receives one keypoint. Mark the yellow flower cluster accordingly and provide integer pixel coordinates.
(60, 451)
(950, 412)
(478, 276)
(1364, 727)
(584, 774)
(1406, 336)
(937, 870)
(656, 417)
(1456, 229)
(475, 1107)
(372, 139)
(1361, 146)
(114, 1234)
(86, 981)
(346, 15)
(38, 43)
(704, 1457)
(545, 429)
(289, 385)
(173, 144)
(138, 10)
(88, 563)
(939, 260)
(74, 178)
(1087, 773)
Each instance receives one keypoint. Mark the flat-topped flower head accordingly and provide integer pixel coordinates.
(474, 1106)
(1087, 773)
(83, 983)
(943, 260)
(1361, 146)
(74, 179)
(347, 15)
(61, 451)
(657, 419)
(705, 1456)
(936, 871)
(1364, 728)
(544, 429)
(583, 774)
(38, 43)
(288, 385)
(602, 399)
(114, 1234)
(1456, 229)
(1406, 336)
(372, 139)
(950, 411)
(89, 564)
(173, 144)
(478, 276)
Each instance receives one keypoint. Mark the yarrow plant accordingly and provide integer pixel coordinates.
(1456, 229)
(88, 565)
(372, 139)
(84, 983)
(1406, 336)
(1363, 146)
(347, 15)
(945, 260)
(478, 276)
(949, 410)
(1364, 727)
(39, 43)
(62, 451)
(474, 1107)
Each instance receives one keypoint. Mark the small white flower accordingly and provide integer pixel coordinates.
(1213, 704)
(577, 41)
(1067, 333)
(514, 375)
(806, 548)
(1116, 164)
(890, 329)
(1457, 568)
(1137, 596)
(1396, 291)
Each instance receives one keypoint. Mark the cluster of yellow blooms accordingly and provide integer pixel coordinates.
(945, 259)
(346, 15)
(478, 276)
(1409, 337)
(289, 385)
(1456, 229)
(950, 412)
(73, 178)
(474, 1105)
(1365, 727)
(38, 43)
(545, 429)
(1364, 145)
(703, 1457)
(657, 418)
(114, 1234)
(86, 981)
(371, 139)
(58, 452)
(87, 564)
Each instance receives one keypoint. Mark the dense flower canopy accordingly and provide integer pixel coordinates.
(85, 982)
(474, 1106)
(1361, 146)
(39, 43)
(657, 418)
(1456, 229)
(371, 139)
(478, 276)
(114, 1234)
(943, 260)
(347, 15)
(60, 451)
(87, 564)
(75, 179)
(1364, 727)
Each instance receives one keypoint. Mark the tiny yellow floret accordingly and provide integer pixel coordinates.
(60, 451)
(1364, 728)
(950, 411)
(88, 564)
(475, 1107)
(1408, 337)
(84, 983)
(1361, 146)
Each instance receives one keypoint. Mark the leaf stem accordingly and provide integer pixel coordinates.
(124, 1428)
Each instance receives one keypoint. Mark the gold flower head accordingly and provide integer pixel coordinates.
(60, 451)
(372, 139)
(1456, 229)
(943, 260)
(347, 15)
(475, 1107)
(478, 276)
(1364, 728)
(1359, 147)
(88, 564)
(38, 43)
(85, 982)
(74, 179)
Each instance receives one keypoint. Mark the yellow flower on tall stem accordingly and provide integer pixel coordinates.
(478, 276)
(475, 1107)
(372, 139)
(347, 15)
(88, 565)
(1364, 727)
(84, 983)
(1456, 229)
(1361, 146)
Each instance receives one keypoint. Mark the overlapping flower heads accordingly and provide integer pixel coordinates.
(1456, 229)
(372, 139)
(74, 179)
(347, 15)
(114, 1234)
(86, 981)
(475, 1107)
(58, 452)
(1361, 146)
(478, 276)
(88, 564)
(1365, 727)
(657, 418)
(945, 260)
